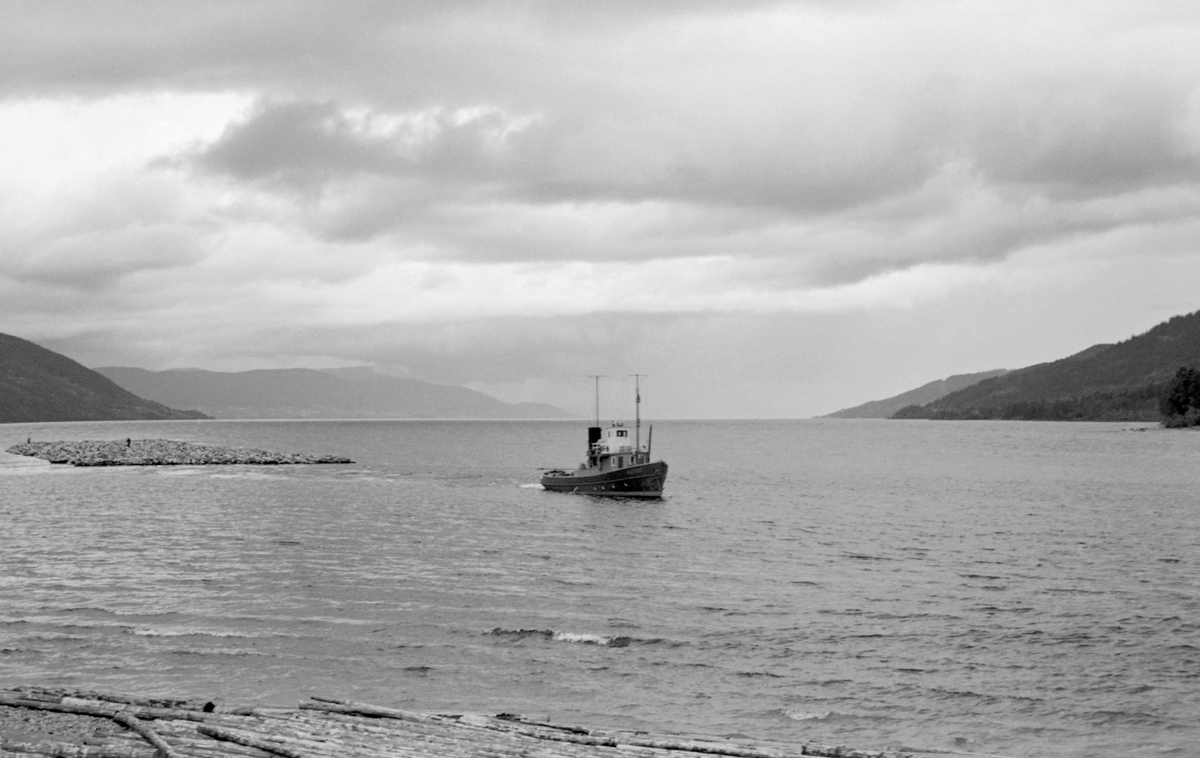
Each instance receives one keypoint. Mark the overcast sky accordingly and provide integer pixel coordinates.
(773, 209)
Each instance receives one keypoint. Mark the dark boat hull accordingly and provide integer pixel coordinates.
(644, 480)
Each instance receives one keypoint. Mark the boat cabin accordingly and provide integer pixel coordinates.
(615, 448)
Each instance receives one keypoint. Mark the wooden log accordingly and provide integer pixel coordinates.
(96, 708)
(152, 702)
(34, 693)
(503, 739)
(151, 710)
(840, 751)
(185, 741)
(335, 727)
(542, 724)
(389, 738)
(553, 732)
(353, 729)
(375, 711)
(466, 730)
(203, 747)
(132, 722)
(227, 735)
(66, 750)
(47, 705)
(363, 709)
(195, 748)
(575, 739)
(320, 736)
(704, 748)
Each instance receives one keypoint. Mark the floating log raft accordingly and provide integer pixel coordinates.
(131, 452)
(111, 727)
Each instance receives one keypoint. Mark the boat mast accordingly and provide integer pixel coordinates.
(597, 377)
(637, 412)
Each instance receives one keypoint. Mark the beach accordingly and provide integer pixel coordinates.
(73, 724)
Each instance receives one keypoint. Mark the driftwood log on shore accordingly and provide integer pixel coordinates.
(131, 452)
(188, 729)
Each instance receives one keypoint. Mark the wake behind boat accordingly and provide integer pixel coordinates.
(617, 465)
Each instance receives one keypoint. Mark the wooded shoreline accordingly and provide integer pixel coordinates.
(76, 724)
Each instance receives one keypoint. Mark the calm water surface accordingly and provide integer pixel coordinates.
(1000, 587)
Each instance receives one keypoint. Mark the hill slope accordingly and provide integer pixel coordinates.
(37, 384)
(311, 393)
(922, 395)
(1117, 382)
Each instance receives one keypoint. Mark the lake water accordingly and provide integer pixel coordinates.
(1000, 587)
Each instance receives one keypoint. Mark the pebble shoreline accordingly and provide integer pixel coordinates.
(154, 452)
(76, 724)
(28, 725)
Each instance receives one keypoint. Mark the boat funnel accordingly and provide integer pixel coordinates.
(593, 435)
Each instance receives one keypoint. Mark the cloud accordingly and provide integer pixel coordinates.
(296, 143)
(92, 260)
(783, 125)
(306, 145)
(1088, 140)
(442, 184)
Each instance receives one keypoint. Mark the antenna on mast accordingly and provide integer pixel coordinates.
(597, 377)
(637, 411)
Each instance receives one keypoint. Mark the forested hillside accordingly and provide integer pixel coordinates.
(1119, 382)
(926, 393)
(37, 384)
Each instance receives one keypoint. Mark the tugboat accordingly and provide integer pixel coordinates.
(616, 466)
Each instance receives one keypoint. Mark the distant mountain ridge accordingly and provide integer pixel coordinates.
(1107, 382)
(352, 393)
(37, 384)
(926, 393)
